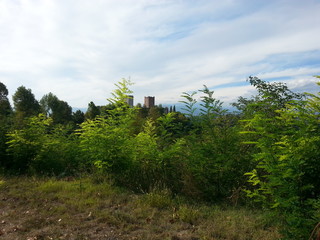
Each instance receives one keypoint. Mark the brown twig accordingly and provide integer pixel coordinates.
(314, 232)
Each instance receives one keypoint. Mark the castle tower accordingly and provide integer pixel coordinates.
(149, 102)
(129, 100)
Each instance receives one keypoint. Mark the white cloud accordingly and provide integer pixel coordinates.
(78, 49)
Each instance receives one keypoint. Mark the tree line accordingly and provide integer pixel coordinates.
(265, 155)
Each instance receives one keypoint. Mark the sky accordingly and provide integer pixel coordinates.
(78, 49)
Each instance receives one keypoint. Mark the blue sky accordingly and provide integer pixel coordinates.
(78, 49)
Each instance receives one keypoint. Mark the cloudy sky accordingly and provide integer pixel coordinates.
(78, 49)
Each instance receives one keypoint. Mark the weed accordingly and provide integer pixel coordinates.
(189, 215)
(52, 186)
(160, 199)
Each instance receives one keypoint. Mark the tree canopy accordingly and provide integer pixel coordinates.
(25, 103)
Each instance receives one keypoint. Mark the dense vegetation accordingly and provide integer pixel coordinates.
(264, 156)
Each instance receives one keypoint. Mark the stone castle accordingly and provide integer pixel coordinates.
(149, 101)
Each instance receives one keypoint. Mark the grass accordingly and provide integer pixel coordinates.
(34, 209)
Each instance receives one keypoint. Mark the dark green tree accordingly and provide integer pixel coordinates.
(276, 93)
(63, 113)
(78, 117)
(5, 107)
(5, 123)
(3, 91)
(270, 97)
(92, 112)
(47, 103)
(58, 110)
(155, 112)
(25, 104)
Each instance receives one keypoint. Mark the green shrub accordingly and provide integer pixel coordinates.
(43, 148)
(286, 177)
(189, 214)
(156, 198)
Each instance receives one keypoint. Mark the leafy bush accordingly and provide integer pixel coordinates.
(214, 168)
(43, 148)
(104, 141)
(103, 144)
(286, 177)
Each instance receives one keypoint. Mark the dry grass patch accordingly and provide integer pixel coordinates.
(81, 209)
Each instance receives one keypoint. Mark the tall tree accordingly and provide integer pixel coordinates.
(5, 113)
(59, 110)
(5, 107)
(270, 97)
(25, 104)
(78, 117)
(92, 112)
(48, 102)
(3, 91)
(155, 112)
(63, 113)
